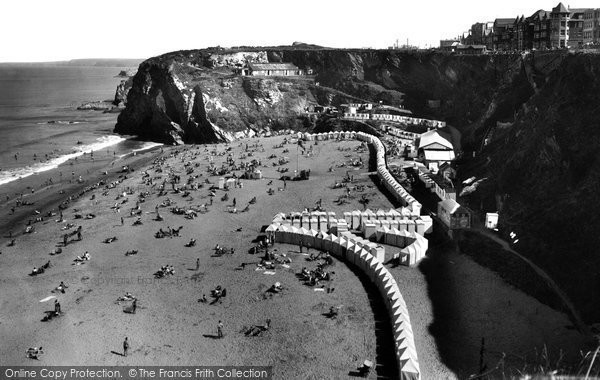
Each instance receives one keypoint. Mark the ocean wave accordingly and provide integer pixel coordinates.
(145, 146)
(51, 122)
(79, 150)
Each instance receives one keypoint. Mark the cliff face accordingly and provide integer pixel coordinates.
(532, 120)
(545, 168)
(164, 103)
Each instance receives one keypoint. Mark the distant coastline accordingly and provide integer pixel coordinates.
(83, 62)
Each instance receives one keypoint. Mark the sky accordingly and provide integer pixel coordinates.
(43, 30)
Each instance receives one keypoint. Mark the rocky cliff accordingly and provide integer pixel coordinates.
(531, 121)
(196, 96)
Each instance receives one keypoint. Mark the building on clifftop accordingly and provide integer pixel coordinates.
(272, 69)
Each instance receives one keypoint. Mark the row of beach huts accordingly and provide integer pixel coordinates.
(403, 227)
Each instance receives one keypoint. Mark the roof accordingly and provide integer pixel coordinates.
(435, 136)
(390, 110)
(452, 206)
(482, 47)
(504, 21)
(449, 205)
(272, 66)
(560, 8)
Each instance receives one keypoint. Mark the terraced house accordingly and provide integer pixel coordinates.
(560, 28)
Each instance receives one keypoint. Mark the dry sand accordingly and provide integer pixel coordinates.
(171, 327)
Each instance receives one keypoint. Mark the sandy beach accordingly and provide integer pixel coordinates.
(171, 327)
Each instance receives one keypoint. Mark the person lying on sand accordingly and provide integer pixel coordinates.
(85, 257)
(256, 330)
(61, 288)
(110, 240)
(127, 297)
(34, 352)
(36, 271)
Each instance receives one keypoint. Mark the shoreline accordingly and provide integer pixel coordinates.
(47, 198)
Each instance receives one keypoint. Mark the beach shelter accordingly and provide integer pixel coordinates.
(305, 222)
(411, 253)
(380, 214)
(369, 230)
(361, 259)
(403, 224)
(281, 234)
(314, 223)
(230, 183)
(336, 134)
(330, 243)
(296, 222)
(356, 219)
(348, 218)
(371, 262)
(409, 370)
(320, 240)
(295, 235)
(333, 225)
(394, 214)
(348, 250)
(330, 136)
(279, 218)
(390, 236)
(307, 238)
(378, 252)
(221, 183)
(352, 134)
(272, 228)
(411, 226)
(428, 223)
(420, 226)
(338, 246)
(385, 223)
(380, 234)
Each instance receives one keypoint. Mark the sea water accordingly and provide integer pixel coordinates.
(40, 126)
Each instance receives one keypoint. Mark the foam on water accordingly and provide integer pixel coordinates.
(79, 150)
(145, 146)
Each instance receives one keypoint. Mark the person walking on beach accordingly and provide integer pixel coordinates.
(122, 221)
(220, 329)
(65, 239)
(197, 263)
(125, 346)
(56, 307)
(301, 244)
(134, 306)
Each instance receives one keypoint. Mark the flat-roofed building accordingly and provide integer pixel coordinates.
(272, 69)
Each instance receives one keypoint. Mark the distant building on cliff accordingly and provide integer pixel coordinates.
(272, 69)
(591, 27)
(561, 28)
